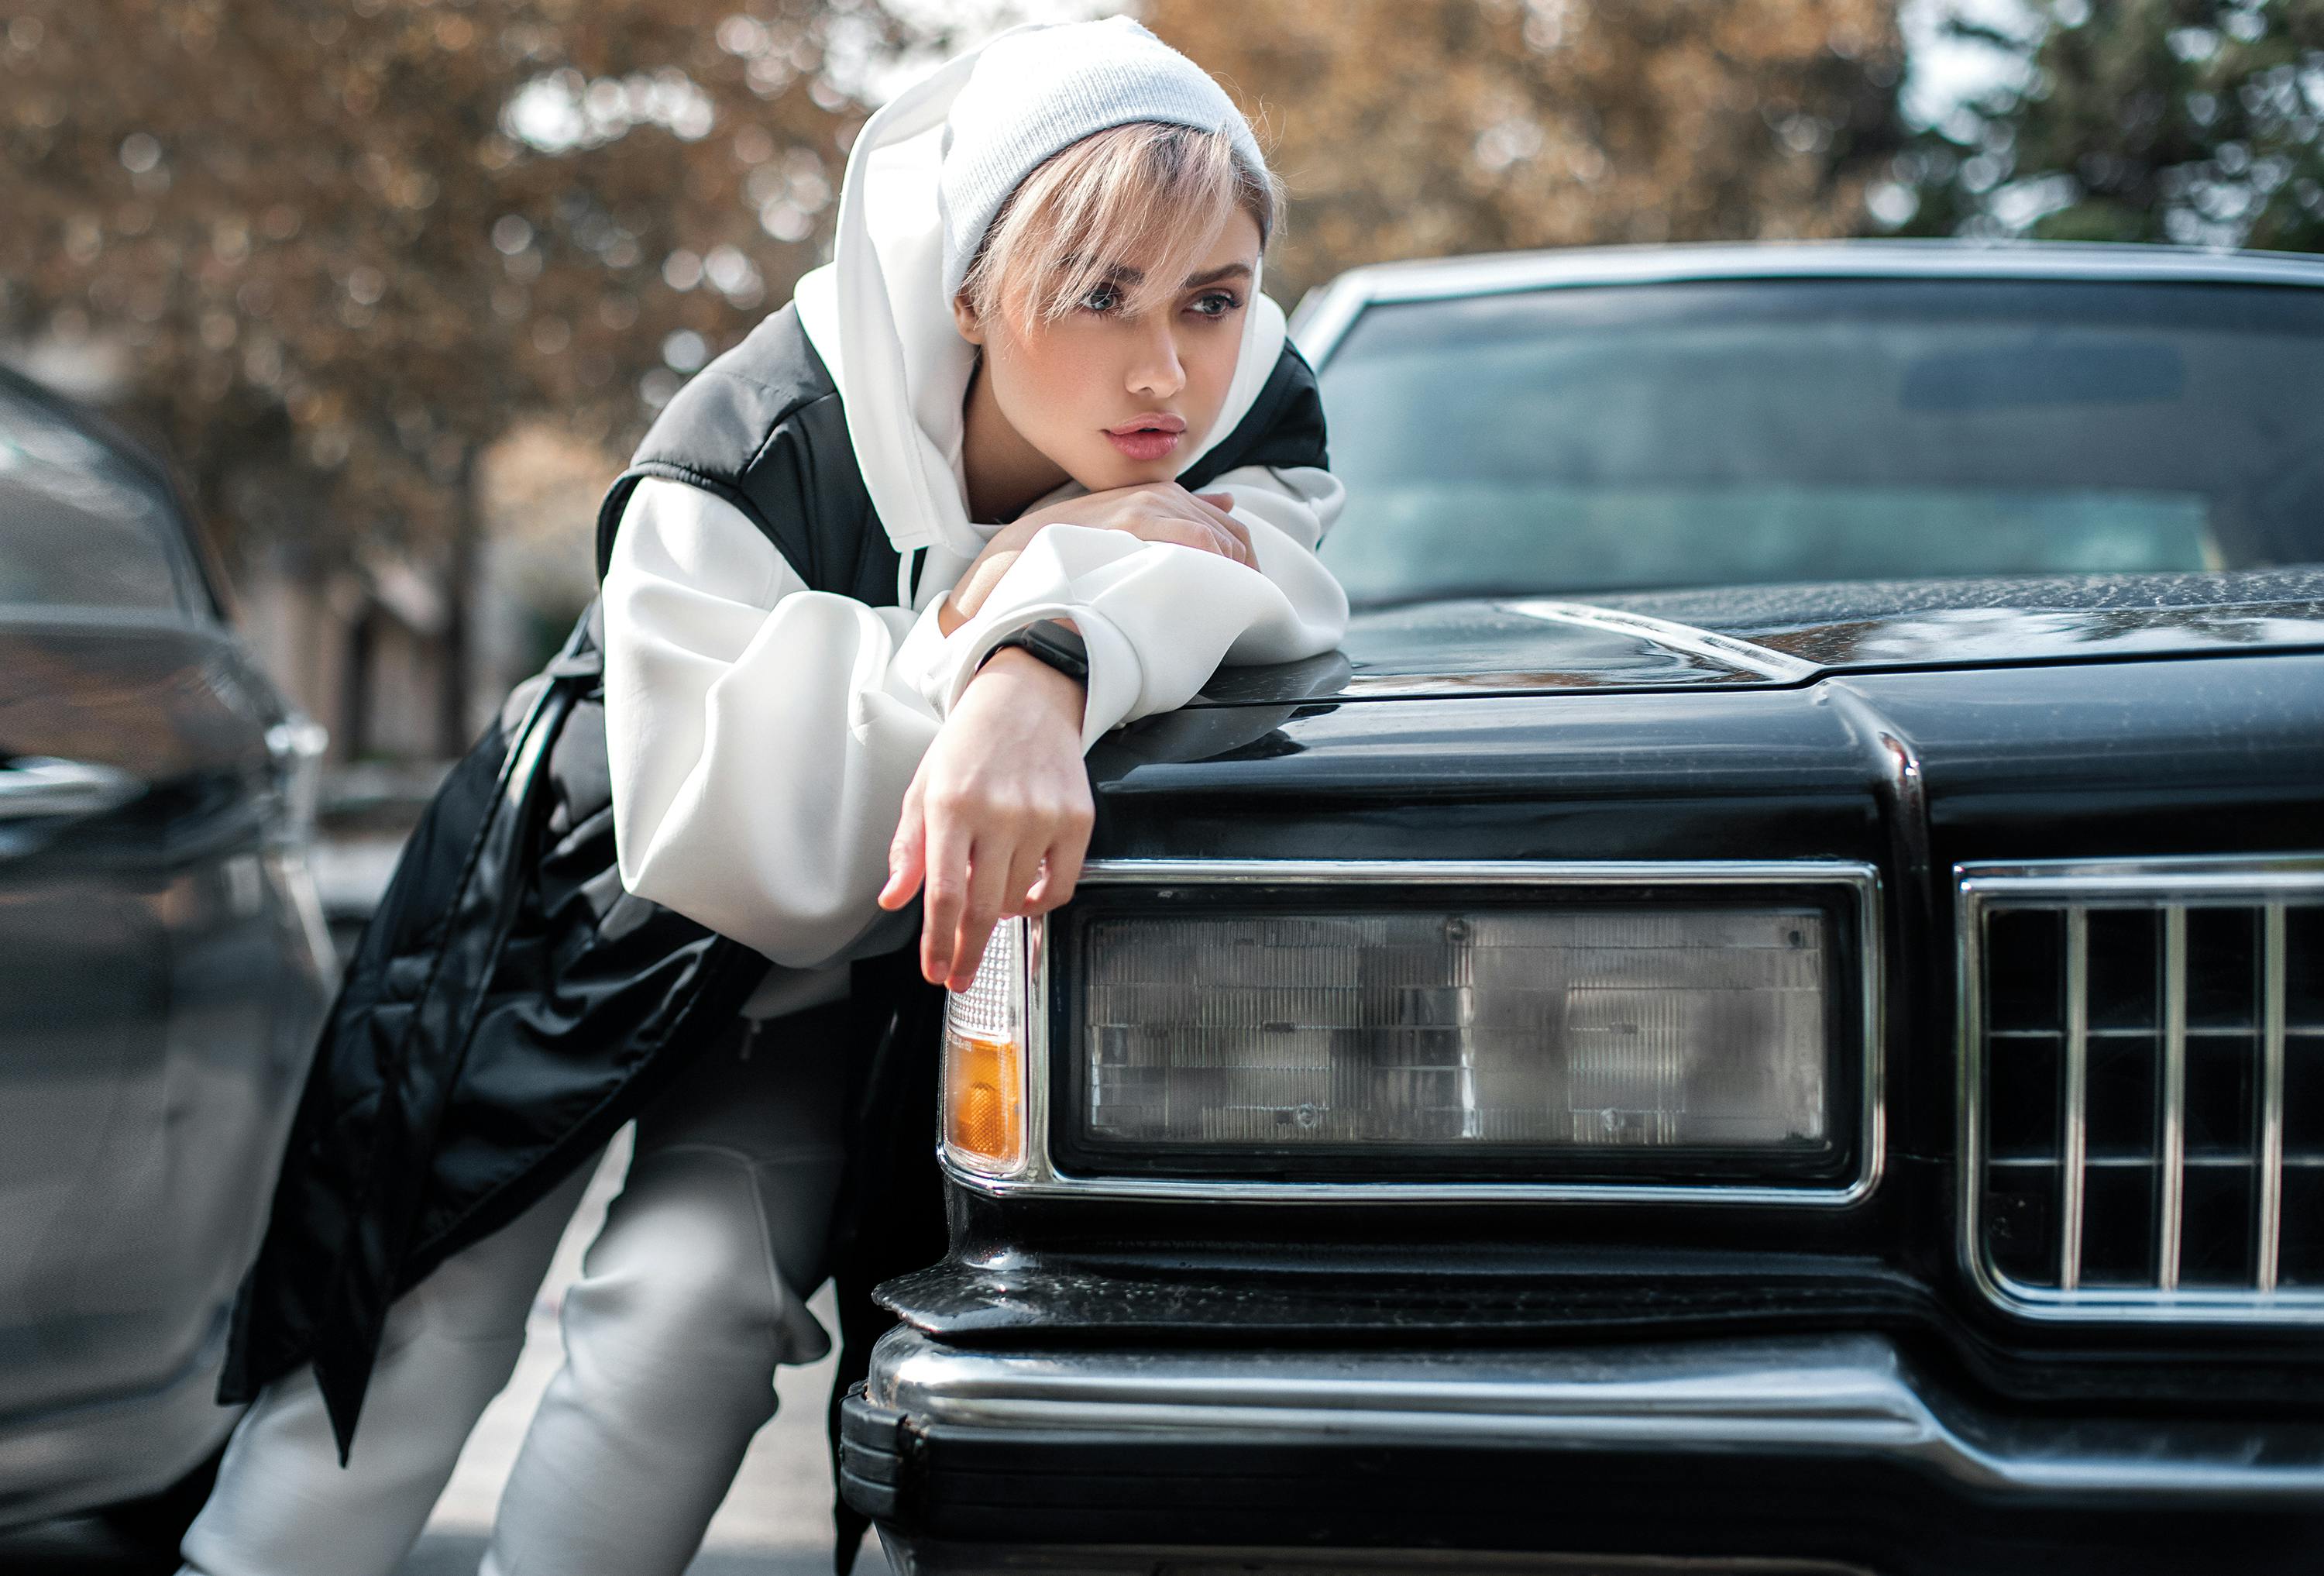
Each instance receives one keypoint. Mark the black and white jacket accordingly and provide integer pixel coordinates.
(518, 997)
(688, 813)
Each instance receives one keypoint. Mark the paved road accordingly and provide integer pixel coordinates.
(775, 1522)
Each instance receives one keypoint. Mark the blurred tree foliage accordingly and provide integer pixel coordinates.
(2200, 122)
(1415, 128)
(344, 245)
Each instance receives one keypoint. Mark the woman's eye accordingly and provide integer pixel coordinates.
(1103, 298)
(1216, 304)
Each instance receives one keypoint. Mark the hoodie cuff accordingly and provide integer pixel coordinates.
(1115, 675)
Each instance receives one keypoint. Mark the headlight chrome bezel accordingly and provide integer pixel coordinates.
(1851, 889)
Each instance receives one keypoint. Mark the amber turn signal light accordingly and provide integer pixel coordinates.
(984, 1101)
(984, 1061)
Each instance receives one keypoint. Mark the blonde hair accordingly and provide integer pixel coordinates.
(1147, 190)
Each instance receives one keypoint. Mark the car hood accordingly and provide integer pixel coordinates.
(1772, 635)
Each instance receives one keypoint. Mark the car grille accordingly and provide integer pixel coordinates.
(2144, 1087)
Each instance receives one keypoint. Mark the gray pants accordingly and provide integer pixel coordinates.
(690, 1295)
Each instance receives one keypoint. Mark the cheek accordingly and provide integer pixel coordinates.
(1210, 364)
(1042, 386)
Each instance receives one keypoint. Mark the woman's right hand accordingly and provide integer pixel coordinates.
(997, 816)
(1153, 512)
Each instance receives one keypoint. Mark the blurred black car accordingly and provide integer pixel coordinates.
(162, 966)
(1769, 1008)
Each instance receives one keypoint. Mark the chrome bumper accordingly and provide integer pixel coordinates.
(1815, 1397)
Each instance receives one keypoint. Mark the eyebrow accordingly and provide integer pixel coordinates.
(1120, 275)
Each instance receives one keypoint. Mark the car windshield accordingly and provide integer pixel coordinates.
(1588, 439)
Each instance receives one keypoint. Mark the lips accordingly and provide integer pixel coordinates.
(1147, 437)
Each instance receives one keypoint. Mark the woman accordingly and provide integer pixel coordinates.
(832, 678)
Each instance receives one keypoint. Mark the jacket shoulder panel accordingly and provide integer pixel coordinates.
(717, 421)
(723, 426)
(1283, 426)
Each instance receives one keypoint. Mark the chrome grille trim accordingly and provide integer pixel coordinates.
(2269, 888)
(2075, 1157)
(2171, 1207)
(2274, 971)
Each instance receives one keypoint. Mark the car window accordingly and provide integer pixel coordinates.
(1753, 432)
(81, 527)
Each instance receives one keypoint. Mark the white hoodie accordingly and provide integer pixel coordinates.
(760, 735)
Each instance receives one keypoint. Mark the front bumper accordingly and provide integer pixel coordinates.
(1816, 1452)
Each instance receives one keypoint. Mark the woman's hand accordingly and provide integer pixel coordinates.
(997, 817)
(1153, 512)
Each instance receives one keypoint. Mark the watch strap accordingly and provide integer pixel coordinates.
(1050, 642)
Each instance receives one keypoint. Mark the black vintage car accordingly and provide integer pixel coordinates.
(1770, 1006)
(162, 968)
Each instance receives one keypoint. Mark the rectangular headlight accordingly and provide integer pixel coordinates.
(1504, 1035)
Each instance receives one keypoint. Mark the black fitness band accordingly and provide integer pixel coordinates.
(1047, 640)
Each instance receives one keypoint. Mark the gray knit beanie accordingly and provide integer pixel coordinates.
(1037, 92)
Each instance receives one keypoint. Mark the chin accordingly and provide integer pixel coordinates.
(1103, 475)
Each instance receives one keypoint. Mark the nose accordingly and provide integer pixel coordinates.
(1155, 370)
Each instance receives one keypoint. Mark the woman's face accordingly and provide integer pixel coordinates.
(1115, 399)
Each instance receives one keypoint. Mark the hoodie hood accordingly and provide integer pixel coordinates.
(879, 318)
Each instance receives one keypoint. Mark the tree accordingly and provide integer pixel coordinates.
(342, 246)
(1410, 128)
(2200, 122)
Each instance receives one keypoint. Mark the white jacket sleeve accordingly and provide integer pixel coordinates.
(1159, 619)
(760, 735)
